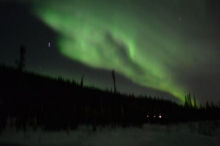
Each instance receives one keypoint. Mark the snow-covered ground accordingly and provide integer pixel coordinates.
(188, 134)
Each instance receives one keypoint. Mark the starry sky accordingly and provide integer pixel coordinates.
(159, 48)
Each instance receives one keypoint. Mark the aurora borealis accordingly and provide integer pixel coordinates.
(163, 45)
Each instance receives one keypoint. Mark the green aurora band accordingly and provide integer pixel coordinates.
(145, 41)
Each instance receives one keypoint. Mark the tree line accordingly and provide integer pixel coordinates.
(29, 99)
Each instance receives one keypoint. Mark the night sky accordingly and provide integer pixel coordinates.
(156, 47)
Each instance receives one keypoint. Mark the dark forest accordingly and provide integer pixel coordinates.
(29, 99)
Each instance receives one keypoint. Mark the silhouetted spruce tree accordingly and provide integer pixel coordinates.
(113, 76)
(190, 100)
(195, 102)
(81, 84)
(21, 62)
(186, 102)
(212, 105)
(207, 105)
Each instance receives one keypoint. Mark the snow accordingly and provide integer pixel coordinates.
(188, 134)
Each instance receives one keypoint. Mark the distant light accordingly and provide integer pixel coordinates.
(49, 45)
(154, 116)
(160, 116)
(148, 116)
